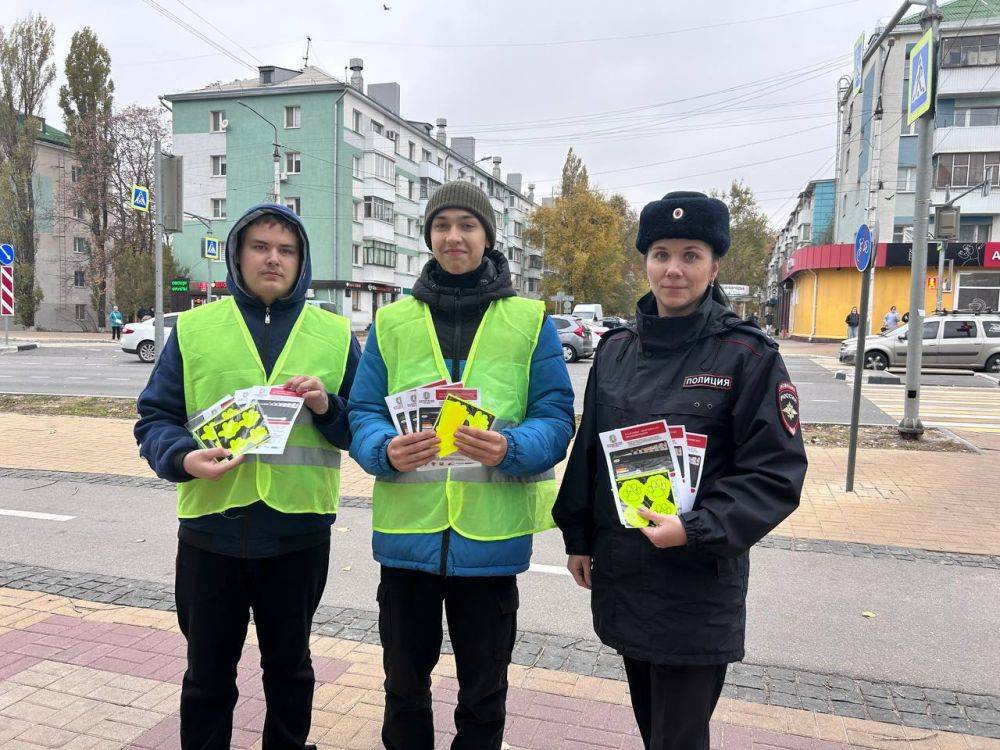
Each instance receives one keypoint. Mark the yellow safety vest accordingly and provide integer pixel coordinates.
(479, 502)
(220, 357)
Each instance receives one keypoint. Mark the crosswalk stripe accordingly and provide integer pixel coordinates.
(974, 409)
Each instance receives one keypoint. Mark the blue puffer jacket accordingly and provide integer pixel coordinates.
(256, 530)
(536, 445)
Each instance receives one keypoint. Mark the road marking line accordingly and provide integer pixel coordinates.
(38, 516)
(823, 401)
(551, 569)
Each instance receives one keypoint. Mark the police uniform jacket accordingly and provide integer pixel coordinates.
(718, 375)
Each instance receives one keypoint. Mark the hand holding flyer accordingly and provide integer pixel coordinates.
(456, 412)
(229, 425)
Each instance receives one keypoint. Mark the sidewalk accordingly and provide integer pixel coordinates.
(947, 502)
(80, 675)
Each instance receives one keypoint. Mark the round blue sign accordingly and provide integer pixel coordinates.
(6, 255)
(863, 249)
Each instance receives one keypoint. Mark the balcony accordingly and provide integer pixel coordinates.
(380, 144)
(380, 189)
(980, 80)
(973, 203)
(378, 274)
(433, 171)
(374, 229)
(955, 140)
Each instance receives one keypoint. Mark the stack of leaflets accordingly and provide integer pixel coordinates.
(443, 407)
(655, 466)
(254, 420)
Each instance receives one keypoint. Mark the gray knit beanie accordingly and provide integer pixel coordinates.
(464, 195)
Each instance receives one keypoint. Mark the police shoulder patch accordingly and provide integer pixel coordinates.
(788, 406)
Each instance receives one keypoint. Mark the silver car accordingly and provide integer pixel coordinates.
(954, 340)
(574, 337)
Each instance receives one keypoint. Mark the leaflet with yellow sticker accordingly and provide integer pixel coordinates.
(238, 428)
(457, 412)
(643, 468)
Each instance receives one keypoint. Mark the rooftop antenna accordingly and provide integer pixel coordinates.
(305, 59)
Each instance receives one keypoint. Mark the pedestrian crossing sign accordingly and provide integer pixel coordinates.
(140, 198)
(210, 248)
(920, 96)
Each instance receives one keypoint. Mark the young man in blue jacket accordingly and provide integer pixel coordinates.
(458, 539)
(254, 531)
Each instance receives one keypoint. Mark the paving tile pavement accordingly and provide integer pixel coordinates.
(890, 505)
(82, 675)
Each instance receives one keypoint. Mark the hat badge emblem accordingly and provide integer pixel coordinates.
(678, 213)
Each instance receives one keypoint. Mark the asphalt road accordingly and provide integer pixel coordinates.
(936, 624)
(74, 370)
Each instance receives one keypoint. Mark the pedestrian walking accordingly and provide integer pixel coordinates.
(891, 319)
(670, 598)
(116, 321)
(458, 539)
(255, 530)
(853, 319)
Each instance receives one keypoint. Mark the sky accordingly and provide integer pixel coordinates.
(654, 96)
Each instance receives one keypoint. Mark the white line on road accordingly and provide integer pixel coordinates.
(551, 569)
(38, 516)
(823, 401)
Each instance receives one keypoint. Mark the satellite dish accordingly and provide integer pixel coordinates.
(225, 124)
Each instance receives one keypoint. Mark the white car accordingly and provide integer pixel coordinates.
(137, 338)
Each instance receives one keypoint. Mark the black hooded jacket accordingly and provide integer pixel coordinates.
(684, 605)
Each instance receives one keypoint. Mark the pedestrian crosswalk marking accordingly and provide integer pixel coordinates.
(972, 409)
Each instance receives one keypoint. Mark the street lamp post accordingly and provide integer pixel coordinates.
(276, 195)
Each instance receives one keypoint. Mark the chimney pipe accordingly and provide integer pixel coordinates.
(357, 80)
(496, 168)
(531, 192)
(442, 136)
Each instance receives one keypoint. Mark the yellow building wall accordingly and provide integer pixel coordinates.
(840, 289)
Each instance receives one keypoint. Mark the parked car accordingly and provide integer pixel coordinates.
(613, 321)
(574, 336)
(137, 338)
(966, 340)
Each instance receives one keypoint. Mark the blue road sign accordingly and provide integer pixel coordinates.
(6, 255)
(863, 249)
(921, 78)
(211, 248)
(140, 198)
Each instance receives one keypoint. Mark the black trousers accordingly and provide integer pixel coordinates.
(673, 705)
(116, 332)
(482, 622)
(215, 594)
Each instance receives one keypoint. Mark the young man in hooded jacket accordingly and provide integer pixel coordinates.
(458, 539)
(255, 530)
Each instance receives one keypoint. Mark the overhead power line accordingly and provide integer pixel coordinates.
(171, 16)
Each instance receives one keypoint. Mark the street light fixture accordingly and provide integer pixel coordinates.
(277, 154)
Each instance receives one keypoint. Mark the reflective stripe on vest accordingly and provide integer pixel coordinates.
(479, 502)
(220, 357)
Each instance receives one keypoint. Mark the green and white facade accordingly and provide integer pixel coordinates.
(356, 171)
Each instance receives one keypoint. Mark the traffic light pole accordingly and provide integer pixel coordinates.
(911, 426)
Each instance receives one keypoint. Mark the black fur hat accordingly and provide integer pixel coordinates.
(685, 215)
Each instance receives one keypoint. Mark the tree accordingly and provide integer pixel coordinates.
(750, 239)
(574, 174)
(25, 75)
(86, 101)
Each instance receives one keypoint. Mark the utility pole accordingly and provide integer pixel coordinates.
(158, 248)
(276, 192)
(911, 426)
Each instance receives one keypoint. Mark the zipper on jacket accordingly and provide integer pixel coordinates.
(456, 342)
(267, 341)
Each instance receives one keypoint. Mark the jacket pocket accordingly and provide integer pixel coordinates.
(508, 600)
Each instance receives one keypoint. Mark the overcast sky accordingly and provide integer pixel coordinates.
(630, 85)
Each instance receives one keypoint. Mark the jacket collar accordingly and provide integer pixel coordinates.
(494, 283)
(658, 334)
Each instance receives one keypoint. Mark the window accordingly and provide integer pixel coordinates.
(411, 225)
(906, 179)
(960, 329)
(218, 208)
(979, 291)
(973, 232)
(293, 162)
(293, 117)
(376, 127)
(560, 323)
(992, 329)
(411, 189)
(357, 168)
(411, 262)
(383, 168)
(79, 279)
(219, 166)
(356, 121)
(962, 51)
(217, 121)
(964, 170)
(78, 211)
(355, 300)
(518, 228)
(358, 211)
(81, 312)
(295, 204)
(902, 233)
(378, 208)
(356, 254)
(380, 254)
(971, 117)
(931, 330)
(425, 155)
(75, 173)
(428, 187)
(401, 184)
(80, 245)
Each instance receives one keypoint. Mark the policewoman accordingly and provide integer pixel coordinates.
(671, 598)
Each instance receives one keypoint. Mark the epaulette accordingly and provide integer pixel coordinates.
(613, 333)
(745, 326)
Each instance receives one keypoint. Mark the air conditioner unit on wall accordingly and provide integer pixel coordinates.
(283, 176)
